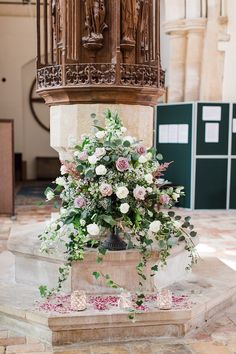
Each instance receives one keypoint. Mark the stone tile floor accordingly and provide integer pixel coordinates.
(217, 232)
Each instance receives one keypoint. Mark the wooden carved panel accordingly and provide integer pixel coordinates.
(99, 42)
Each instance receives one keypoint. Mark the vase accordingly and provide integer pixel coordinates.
(78, 300)
(114, 242)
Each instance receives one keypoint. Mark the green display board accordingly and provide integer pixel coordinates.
(198, 137)
(233, 185)
(234, 130)
(211, 183)
(174, 141)
(212, 128)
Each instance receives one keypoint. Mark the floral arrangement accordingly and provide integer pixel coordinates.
(115, 182)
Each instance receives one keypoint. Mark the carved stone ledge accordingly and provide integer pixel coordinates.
(145, 96)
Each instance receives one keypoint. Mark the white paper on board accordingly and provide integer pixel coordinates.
(212, 113)
(183, 134)
(173, 133)
(212, 131)
(234, 125)
(164, 134)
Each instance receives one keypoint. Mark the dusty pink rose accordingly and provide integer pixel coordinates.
(105, 189)
(139, 193)
(164, 199)
(122, 164)
(80, 202)
(141, 149)
(83, 156)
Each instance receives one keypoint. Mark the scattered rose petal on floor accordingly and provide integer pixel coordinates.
(61, 303)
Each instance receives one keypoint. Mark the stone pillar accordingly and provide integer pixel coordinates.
(69, 122)
(177, 56)
(195, 42)
(212, 63)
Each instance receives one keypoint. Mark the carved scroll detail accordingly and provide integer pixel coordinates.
(93, 74)
(50, 76)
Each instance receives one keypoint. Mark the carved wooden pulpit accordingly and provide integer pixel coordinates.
(99, 51)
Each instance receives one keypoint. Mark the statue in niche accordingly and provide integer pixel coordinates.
(129, 16)
(143, 26)
(95, 13)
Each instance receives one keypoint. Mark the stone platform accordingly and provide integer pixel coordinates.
(34, 268)
(211, 288)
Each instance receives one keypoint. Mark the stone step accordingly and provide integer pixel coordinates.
(25, 348)
(211, 288)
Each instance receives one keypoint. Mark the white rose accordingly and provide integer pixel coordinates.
(122, 192)
(149, 178)
(93, 229)
(100, 152)
(101, 170)
(142, 159)
(63, 170)
(92, 159)
(123, 129)
(60, 181)
(124, 208)
(175, 196)
(155, 226)
(101, 134)
(130, 139)
(149, 190)
(50, 195)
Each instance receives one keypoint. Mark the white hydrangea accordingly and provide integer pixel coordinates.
(123, 129)
(124, 208)
(122, 192)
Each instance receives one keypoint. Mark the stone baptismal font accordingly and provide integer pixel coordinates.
(93, 55)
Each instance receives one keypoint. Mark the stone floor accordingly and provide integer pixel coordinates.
(217, 232)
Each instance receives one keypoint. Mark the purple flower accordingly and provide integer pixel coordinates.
(80, 202)
(105, 189)
(139, 193)
(83, 156)
(122, 164)
(164, 199)
(141, 149)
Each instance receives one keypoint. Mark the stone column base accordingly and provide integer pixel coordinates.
(69, 122)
